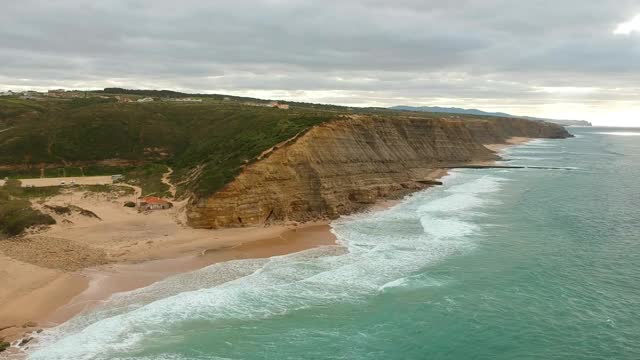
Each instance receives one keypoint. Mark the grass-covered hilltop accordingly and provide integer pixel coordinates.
(205, 139)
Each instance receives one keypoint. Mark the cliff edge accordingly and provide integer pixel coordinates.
(346, 165)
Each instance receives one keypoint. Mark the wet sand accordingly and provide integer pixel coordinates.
(107, 280)
(48, 297)
(80, 262)
(510, 142)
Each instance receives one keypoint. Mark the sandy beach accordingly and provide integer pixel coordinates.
(511, 142)
(49, 276)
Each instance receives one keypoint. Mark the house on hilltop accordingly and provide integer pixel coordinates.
(56, 93)
(184, 100)
(123, 99)
(276, 104)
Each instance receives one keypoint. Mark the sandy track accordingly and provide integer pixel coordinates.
(44, 270)
(165, 180)
(81, 180)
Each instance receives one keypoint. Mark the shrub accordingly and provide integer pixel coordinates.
(16, 215)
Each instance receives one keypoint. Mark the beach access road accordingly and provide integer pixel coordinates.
(63, 181)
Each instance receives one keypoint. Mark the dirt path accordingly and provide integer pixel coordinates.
(87, 180)
(165, 180)
(137, 189)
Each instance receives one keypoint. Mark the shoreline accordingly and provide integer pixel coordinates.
(107, 280)
(498, 148)
(55, 296)
(61, 294)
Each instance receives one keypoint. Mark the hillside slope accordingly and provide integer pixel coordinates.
(346, 165)
(241, 163)
(454, 110)
(101, 137)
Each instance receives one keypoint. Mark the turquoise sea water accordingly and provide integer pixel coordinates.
(495, 264)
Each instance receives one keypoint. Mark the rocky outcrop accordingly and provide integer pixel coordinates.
(344, 166)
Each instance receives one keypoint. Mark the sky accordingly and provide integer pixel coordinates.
(565, 59)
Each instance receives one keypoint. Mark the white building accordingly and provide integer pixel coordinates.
(185, 100)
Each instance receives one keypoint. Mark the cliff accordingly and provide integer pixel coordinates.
(345, 165)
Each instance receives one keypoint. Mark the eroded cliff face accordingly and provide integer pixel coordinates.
(346, 165)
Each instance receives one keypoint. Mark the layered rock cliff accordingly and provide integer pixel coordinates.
(344, 166)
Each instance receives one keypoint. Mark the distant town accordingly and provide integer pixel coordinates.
(77, 94)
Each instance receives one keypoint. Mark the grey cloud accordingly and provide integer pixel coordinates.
(487, 50)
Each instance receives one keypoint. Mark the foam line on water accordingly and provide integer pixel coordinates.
(620, 133)
(425, 228)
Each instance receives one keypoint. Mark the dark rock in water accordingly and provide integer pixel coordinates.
(429, 182)
(25, 341)
(130, 204)
(4, 345)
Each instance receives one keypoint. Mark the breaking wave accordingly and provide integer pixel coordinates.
(620, 133)
(386, 250)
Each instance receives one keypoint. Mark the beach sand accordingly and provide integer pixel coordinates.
(48, 276)
(253, 244)
(510, 142)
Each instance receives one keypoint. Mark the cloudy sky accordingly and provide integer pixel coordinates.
(575, 59)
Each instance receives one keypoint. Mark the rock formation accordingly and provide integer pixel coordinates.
(346, 165)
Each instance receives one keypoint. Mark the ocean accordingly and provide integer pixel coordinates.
(495, 264)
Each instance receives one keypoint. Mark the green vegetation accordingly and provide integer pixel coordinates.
(77, 138)
(14, 189)
(148, 177)
(16, 214)
(95, 135)
(19, 173)
(4, 345)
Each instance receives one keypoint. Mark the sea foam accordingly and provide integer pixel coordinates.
(384, 248)
(620, 133)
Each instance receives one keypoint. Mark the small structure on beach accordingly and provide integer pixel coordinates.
(154, 203)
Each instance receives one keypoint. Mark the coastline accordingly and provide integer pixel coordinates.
(49, 297)
(54, 295)
(107, 280)
(497, 148)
